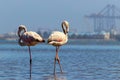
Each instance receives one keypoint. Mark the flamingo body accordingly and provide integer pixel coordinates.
(57, 38)
(31, 38)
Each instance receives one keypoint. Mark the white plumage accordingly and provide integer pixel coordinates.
(57, 38)
(31, 38)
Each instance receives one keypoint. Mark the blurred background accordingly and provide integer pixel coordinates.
(92, 51)
(96, 19)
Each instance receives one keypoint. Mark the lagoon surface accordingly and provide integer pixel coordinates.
(97, 61)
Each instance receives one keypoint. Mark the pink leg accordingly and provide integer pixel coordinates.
(54, 65)
(57, 59)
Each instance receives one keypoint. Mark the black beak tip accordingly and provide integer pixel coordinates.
(43, 40)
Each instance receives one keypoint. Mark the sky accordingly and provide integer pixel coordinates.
(48, 14)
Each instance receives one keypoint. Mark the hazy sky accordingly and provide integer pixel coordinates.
(48, 14)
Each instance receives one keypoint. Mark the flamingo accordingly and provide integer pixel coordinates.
(28, 38)
(58, 39)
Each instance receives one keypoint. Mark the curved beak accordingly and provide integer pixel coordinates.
(19, 33)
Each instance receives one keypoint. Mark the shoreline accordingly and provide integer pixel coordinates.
(75, 42)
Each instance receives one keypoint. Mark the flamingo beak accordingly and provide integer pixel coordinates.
(43, 40)
(19, 33)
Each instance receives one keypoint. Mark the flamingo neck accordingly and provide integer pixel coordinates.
(21, 32)
(21, 43)
(64, 29)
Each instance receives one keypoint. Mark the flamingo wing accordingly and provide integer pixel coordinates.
(31, 38)
(57, 38)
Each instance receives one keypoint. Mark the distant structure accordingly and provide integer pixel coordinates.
(106, 19)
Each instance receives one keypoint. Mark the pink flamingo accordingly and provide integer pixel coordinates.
(28, 38)
(58, 39)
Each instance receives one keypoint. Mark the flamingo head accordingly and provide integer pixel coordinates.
(20, 29)
(65, 27)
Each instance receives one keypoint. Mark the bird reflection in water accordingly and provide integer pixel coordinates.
(30, 71)
(55, 77)
(59, 78)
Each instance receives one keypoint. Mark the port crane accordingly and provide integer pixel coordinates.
(106, 19)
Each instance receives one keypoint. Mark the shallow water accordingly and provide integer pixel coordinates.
(79, 62)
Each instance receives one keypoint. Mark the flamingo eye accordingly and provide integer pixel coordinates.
(20, 28)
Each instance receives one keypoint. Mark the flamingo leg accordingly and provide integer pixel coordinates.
(30, 55)
(57, 59)
(54, 65)
(30, 71)
(30, 62)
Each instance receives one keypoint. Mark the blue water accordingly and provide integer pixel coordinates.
(79, 62)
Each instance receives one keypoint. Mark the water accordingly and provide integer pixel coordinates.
(79, 62)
